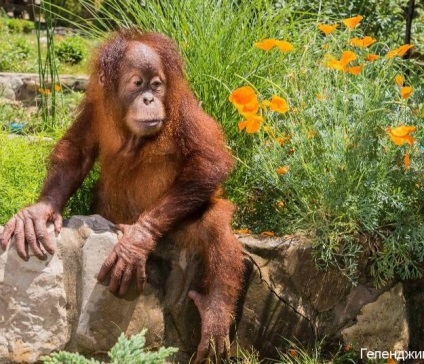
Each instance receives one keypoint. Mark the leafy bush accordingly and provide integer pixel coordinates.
(71, 50)
(19, 26)
(128, 351)
(13, 53)
(328, 163)
(27, 27)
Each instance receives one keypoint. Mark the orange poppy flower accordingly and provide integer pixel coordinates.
(334, 63)
(277, 104)
(245, 100)
(352, 23)
(266, 44)
(283, 170)
(57, 88)
(372, 57)
(362, 43)
(252, 123)
(405, 92)
(403, 49)
(399, 80)
(327, 29)
(399, 51)
(400, 135)
(406, 160)
(347, 57)
(355, 70)
(341, 65)
(284, 46)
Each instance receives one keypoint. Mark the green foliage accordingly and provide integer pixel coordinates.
(128, 351)
(131, 351)
(28, 27)
(23, 168)
(71, 50)
(347, 186)
(13, 53)
(19, 26)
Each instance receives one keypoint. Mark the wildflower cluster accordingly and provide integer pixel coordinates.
(364, 42)
(334, 138)
(246, 102)
(47, 91)
(400, 135)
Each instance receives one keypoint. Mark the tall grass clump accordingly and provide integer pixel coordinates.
(326, 136)
(47, 66)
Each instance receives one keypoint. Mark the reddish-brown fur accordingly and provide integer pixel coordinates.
(169, 183)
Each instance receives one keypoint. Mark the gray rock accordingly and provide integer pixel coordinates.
(284, 297)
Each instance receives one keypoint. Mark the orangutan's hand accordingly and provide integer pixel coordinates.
(29, 228)
(128, 257)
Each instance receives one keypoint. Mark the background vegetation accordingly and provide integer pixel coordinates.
(346, 185)
(19, 51)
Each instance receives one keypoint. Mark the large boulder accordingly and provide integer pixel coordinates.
(57, 304)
